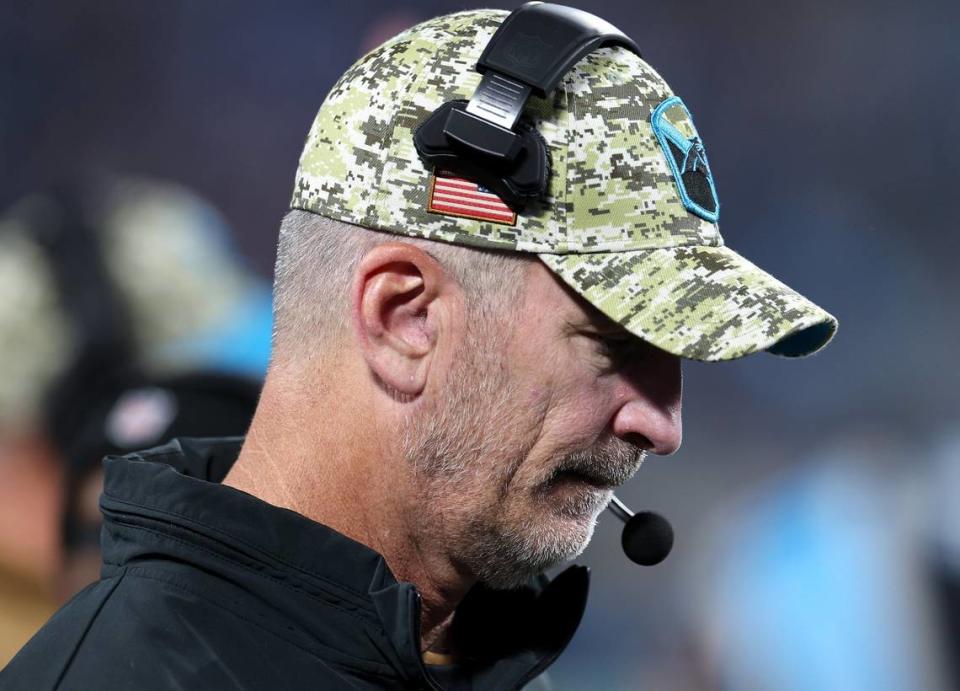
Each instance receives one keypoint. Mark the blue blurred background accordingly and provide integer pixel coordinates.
(815, 501)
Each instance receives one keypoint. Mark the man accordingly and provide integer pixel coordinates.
(455, 389)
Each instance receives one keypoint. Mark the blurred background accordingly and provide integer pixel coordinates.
(815, 501)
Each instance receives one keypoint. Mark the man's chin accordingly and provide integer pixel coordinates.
(546, 539)
(575, 499)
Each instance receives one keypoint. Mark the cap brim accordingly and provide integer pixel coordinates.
(697, 302)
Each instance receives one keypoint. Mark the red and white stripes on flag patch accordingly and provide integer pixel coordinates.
(455, 196)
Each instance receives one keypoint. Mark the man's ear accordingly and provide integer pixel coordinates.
(402, 299)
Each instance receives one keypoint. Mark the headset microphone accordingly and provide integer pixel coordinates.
(647, 536)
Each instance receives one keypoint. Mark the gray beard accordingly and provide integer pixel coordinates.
(507, 554)
(457, 450)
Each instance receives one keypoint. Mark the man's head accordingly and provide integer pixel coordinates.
(513, 406)
(519, 362)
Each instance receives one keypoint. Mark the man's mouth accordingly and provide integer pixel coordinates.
(594, 480)
(575, 493)
(603, 470)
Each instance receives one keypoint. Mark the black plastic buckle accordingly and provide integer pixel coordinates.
(530, 52)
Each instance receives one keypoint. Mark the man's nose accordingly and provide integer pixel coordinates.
(650, 401)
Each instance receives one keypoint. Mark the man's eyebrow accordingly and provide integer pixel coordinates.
(574, 328)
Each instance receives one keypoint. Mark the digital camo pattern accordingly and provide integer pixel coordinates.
(611, 189)
(700, 303)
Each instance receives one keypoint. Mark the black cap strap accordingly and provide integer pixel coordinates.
(530, 52)
(538, 43)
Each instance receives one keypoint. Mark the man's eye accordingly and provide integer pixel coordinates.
(612, 347)
(616, 347)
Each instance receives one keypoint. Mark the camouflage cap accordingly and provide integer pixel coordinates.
(630, 216)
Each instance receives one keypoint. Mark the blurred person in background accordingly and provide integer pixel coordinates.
(455, 390)
(106, 287)
(140, 411)
(845, 567)
(942, 530)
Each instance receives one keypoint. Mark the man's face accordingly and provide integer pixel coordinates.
(545, 411)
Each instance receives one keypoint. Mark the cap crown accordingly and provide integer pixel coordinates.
(611, 187)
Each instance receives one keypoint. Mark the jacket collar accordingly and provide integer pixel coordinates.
(510, 636)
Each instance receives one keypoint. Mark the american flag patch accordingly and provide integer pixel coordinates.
(455, 196)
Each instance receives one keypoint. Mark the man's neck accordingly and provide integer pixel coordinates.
(347, 485)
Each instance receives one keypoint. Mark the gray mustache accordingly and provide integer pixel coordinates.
(612, 464)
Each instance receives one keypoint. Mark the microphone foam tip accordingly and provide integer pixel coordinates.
(647, 538)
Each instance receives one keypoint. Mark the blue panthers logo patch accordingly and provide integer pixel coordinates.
(673, 127)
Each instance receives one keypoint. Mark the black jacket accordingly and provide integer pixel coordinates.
(206, 587)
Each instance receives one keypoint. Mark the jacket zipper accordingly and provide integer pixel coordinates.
(415, 632)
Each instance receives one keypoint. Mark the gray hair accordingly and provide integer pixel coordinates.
(316, 259)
